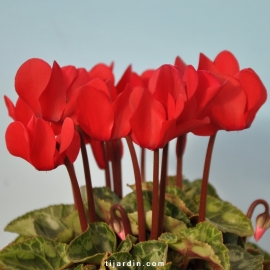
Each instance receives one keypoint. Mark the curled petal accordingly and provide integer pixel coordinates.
(69, 74)
(146, 121)
(98, 153)
(31, 79)
(254, 88)
(190, 78)
(229, 115)
(17, 140)
(23, 112)
(67, 134)
(146, 75)
(53, 98)
(122, 114)
(226, 63)
(11, 108)
(43, 146)
(179, 62)
(81, 79)
(166, 80)
(206, 64)
(74, 148)
(102, 72)
(95, 113)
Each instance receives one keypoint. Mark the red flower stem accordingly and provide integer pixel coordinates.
(88, 181)
(77, 193)
(162, 187)
(254, 205)
(155, 202)
(252, 208)
(143, 164)
(107, 168)
(180, 147)
(117, 185)
(138, 182)
(204, 188)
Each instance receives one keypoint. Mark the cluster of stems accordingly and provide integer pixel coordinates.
(120, 222)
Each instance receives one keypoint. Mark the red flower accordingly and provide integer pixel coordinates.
(101, 117)
(37, 143)
(233, 105)
(156, 117)
(49, 91)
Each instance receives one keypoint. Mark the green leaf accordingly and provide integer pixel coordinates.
(85, 267)
(129, 202)
(192, 250)
(227, 217)
(127, 244)
(211, 191)
(46, 221)
(178, 197)
(92, 245)
(73, 222)
(34, 253)
(150, 254)
(241, 259)
(208, 233)
(121, 260)
(104, 198)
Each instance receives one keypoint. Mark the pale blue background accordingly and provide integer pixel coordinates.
(146, 34)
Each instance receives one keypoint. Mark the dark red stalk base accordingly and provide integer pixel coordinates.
(155, 201)
(138, 182)
(162, 188)
(204, 188)
(180, 147)
(143, 164)
(107, 168)
(77, 194)
(88, 181)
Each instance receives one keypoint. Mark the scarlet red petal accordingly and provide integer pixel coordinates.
(81, 79)
(31, 79)
(43, 146)
(255, 90)
(53, 98)
(122, 114)
(206, 64)
(11, 108)
(95, 113)
(102, 72)
(228, 106)
(208, 87)
(23, 112)
(101, 86)
(190, 78)
(69, 74)
(74, 147)
(146, 75)
(17, 140)
(166, 80)
(227, 63)
(67, 134)
(97, 149)
(135, 97)
(125, 79)
(146, 121)
(180, 64)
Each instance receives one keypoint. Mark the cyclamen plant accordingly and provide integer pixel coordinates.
(167, 223)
